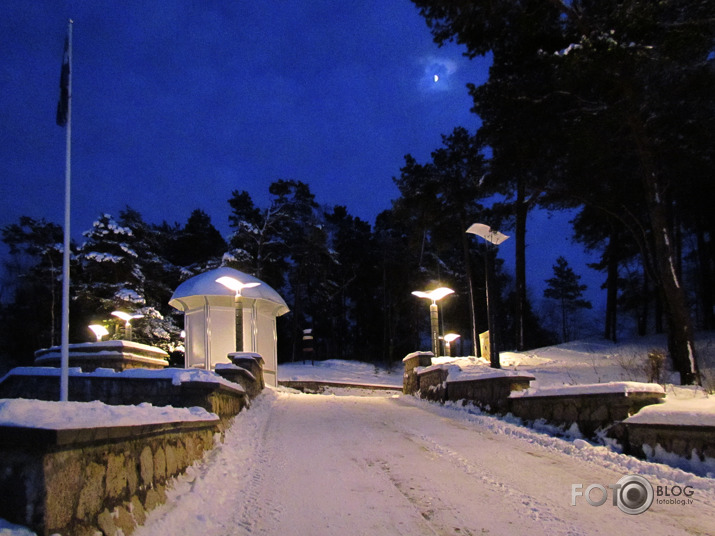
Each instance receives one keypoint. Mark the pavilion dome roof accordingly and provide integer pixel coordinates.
(204, 288)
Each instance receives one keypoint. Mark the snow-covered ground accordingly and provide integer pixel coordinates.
(383, 464)
(375, 462)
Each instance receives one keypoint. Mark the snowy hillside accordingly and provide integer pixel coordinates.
(343, 427)
(579, 362)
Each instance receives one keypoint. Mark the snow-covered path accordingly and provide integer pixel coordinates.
(385, 464)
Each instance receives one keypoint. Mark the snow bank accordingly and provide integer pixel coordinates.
(71, 415)
(177, 376)
(591, 389)
(678, 412)
(469, 368)
(339, 371)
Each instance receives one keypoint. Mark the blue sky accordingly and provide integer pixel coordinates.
(178, 103)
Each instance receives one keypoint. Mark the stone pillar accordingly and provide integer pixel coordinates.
(252, 362)
(410, 381)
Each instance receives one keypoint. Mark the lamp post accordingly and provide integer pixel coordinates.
(492, 236)
(127, 322)
(99, 331)
(449, 338)
(434, 295)
(237, 286)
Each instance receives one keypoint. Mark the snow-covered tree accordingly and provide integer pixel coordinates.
(159, 326)
(110, 275)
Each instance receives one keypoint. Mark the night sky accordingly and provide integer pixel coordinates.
(178, 103)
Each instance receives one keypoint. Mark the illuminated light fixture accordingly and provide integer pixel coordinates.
(237, 286)
(434, 295)
(487, 233)
(449, 338)
(99, 330)
(493, 237)
(127, 322)
(234, 284)
(126, 316)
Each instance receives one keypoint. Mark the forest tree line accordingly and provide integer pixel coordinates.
(601, 107)
(606, 105)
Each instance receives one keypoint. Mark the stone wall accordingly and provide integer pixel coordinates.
(115, 354)
(240, 376)
(491, 394)
(590, 412)
(252, 362)
(433, 384)
(81, 481)
(216, 398)
(641, 439)
(413, 362)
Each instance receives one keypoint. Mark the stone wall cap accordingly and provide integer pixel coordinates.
(609, 388)
(418, 354)
(47, 438)
(192, 376)
(239, 356)
(111, 346)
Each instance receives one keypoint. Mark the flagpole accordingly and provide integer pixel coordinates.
(64, 372)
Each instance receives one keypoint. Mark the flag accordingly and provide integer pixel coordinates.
(63, 103)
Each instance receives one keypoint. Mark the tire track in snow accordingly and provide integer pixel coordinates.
(536, 509)
(255, 509)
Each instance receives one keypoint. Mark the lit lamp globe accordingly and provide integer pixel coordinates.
(434, 295)
(238, 286)
(127, 322)
(99, 331)
(234, 284)
(449, 338)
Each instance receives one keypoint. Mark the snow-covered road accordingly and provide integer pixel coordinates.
(385, 464)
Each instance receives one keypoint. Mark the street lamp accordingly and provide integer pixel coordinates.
(99, 330)
(234, 284)
(434, 295)
(127, 322)
(237, 286)
(449, 338)
(492, 236)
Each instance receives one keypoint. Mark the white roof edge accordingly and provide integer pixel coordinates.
(205, 285)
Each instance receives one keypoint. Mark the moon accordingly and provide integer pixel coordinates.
(436, 78)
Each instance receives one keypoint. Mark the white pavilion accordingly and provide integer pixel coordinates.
(237, 314)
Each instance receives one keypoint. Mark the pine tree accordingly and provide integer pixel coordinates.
(566, 289)
(603, 97)
(159, 326)
(198, 245)
(254, 246)
(299, 230)
(110, 276)
(30, 310)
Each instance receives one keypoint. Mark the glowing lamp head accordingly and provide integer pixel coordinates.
(126, 316)
(434, 295)
(99, 331)
(487, 233)
(234, 284)
(451, 337)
